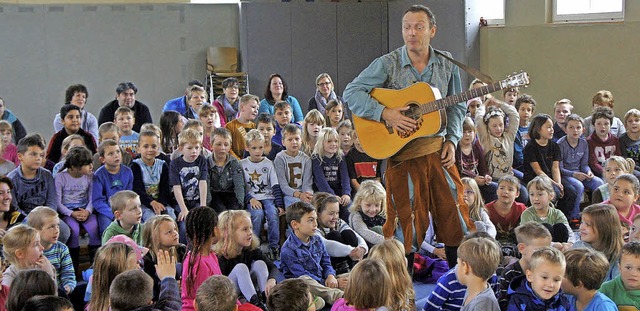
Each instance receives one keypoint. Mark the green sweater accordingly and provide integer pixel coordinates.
(615, 290)
(115, 229)
(554, 216)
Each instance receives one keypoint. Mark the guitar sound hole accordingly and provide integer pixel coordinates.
(414, 113)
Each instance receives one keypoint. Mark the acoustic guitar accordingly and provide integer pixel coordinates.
(381, 141)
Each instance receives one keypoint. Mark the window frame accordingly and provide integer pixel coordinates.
(587, 17)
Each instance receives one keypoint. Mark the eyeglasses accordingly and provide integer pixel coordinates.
(324, 84)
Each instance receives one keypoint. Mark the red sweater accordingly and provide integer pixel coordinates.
(600, 151)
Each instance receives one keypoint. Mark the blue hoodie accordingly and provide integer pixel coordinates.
(522, 297)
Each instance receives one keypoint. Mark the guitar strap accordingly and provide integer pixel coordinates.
(470, 70)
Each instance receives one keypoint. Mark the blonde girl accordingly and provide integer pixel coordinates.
(613, 167)
(69, 142)
(160, 233)
(543, 211)
(111, 260)
(369, 212)
(372, 275)
(600, 230)
(477, 213)
(330, 172)
(313, 123)
(22, 249)
(402, 295)
(624, 196)
(334, 113)
(241, 259)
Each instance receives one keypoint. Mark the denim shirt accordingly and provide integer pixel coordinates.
(298, 259)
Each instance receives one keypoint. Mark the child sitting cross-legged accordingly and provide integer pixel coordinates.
(542, 210)
(125, 206)
(624, 290)
(505, 212)
(585, 271)
(478, 259)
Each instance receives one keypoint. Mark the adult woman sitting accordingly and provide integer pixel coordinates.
(324, 93)
(7, 115)
(8, 214)
(227, 102)
(77, 95)
(276, 92)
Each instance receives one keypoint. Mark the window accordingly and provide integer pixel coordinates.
(492, 11)
(214, 1)
(588, 10)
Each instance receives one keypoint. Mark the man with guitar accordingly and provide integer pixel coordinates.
(421, 177)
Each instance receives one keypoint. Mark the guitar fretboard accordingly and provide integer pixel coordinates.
(454, 99)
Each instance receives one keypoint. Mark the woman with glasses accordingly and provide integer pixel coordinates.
(276, 92)
(324, 93)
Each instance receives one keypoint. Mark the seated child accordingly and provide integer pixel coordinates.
(391, 252)
(46, 222)
(111, 177)
(478, 259)
(282, 115)
(196, 126)
(310, 262)
(125, 120)
(634, 231)
(613, 167)
(471, 162)
(125, 206)
(263, 191)
(604, 98)
(525, 105)
(156, 129)
(210, 119)
(10, 152)
(602, 144)
(369, 288)
(106, 131)
(239, 126)
(171, 124)
(71, 141)
(293, 168)
(624, 194)
(531, 237)
(369, 212)
(266, 125)
(574, 166)
(226, 177)
(313, 122)
(361, 166)
(28, 283)
(19, 251)
(624, 290)
(293, 295)
(345, 130)
(188, 174)
(582, 287)
(510, 95)
(344, 246)
(630, 141)
(48, 303)
(542, 210)
(133, 289)
(539, 288)
(505, 212)
(330, 170)
(6, 166)
(334, 113)
(70, 115)
(217, 293)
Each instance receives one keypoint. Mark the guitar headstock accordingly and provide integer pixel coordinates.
(515, 80)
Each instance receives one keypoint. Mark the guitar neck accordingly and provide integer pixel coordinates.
(462, 97)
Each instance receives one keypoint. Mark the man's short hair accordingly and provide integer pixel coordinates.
(38, 216)
(104, 144)
(195, 82)
(602, 112)
(65, 109)
(281, 105)
(73, 89)
(189, 136)
(123, 86)
(290, 129)
(247, 99)
(530, 231)
(30, 140)
(586, 266)
(417, 8)
(525, 99)
(123, 110)
(289, 295)
(482, 255)
(575, 117)
(130, 290)
(547, 254)
(119, 200)
(296, 210)
(217, 293)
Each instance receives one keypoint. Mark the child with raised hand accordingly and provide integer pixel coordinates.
(624, 290)
(241, 259)
(345, 130)
(226, 177)
(294, 168)
(262, 191)
(266, 126)
(74, 186)
(160, 234)
(471, 163)
(314, 121)
(531, 237)
(369, 212)
(109, 131)
(22, 249)
(111, 177)
(624, 194)
(201, 262)
(542, 210)
(46, 222)
(402, 295)
(334, 113)
(188, 174)
(344, 246)
(542, 157)
(477, 212)
(210, 119)
(330, 170)
(540, 289)
(171, 124)
(372, 275)
(630, 141)
(574, 166)
(478, 259)
(613, 167)
(71, 141)
(602, 143)
(111, 260)
(582, 288)
(600, 230)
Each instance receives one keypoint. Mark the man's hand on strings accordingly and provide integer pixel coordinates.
(399, 122)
